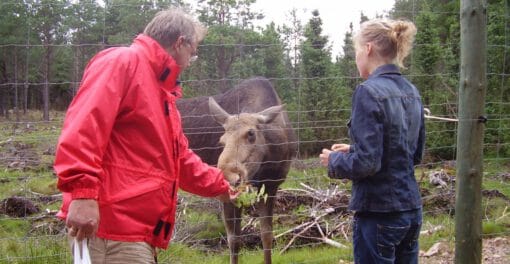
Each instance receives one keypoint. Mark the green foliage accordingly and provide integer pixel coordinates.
(310, 175)
(498, 66)
(320, 90)
(493, 229)
(496, 184)
(35, 250)
(13, 227)
(236, 13)
(183, 254)
(203, 224)
(43, 184)
(178, 253)
(62, 36)
(51, 41)
(445, 226)
(129, 18)
(248, 196)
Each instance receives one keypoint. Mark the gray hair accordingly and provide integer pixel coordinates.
(168, 25)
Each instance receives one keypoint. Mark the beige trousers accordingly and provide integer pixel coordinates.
(103, 251)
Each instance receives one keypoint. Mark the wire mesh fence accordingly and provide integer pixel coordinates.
(311, 220)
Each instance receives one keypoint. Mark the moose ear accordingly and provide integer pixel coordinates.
(217, 112)
(269, 114)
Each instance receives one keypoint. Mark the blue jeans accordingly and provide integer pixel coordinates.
(386, 237)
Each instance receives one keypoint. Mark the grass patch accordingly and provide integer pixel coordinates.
(35, 250)
(491, 229)
(181, 254)
(13, 227)
(442, 228)
(20, 242)
(204, 225)
(45, 183)
(21, 183)
(495, 184)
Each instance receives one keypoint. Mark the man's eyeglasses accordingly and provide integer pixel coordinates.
(194, 54)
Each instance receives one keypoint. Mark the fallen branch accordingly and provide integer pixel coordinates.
(55, 196)
(292, 229)
(505, 214)
(310, 224)
(431, 231)
(308, 187)
(250, 222)
(327, 240)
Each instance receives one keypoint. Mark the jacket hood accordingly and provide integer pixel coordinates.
(164, 66)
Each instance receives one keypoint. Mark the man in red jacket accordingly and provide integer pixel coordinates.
(122, 153)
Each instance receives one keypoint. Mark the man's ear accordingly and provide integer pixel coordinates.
(179, 42)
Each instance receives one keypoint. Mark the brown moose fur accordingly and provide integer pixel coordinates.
(273, 158)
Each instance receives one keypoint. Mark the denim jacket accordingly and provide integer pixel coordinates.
(387, 134)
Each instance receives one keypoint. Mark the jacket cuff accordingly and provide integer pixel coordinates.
(224, 188)
(332, 173)
(85, 194)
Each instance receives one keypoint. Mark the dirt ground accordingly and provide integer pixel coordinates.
(495, 251)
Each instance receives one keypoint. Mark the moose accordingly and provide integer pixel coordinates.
(247, 133)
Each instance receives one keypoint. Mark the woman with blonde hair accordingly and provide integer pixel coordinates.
(387, 134)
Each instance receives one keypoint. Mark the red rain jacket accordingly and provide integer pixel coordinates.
(122, 144)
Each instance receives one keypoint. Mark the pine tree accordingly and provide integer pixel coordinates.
(318, 90)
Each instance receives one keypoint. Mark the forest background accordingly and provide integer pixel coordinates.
(46, 44)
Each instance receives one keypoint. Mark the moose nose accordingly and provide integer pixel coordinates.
(234, 174)
(233, 178)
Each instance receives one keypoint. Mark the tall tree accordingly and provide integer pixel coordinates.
(85, 21)
(125, 19)
(229, 38)
(49, 15)
(498, 69)
(347, 62)
(319, 91)
(292, 35)
(436, 90)
(13, 18)
(274, 62)
(349, 78)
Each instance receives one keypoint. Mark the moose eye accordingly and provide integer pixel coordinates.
(251, 136)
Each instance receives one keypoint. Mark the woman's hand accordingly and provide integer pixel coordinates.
(344, 148)
(324, 157)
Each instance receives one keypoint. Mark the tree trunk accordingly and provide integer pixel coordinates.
(15, 85)
(4, 80)
(25, 85)
(46, 88)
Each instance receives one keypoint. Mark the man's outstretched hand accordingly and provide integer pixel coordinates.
(228, 197)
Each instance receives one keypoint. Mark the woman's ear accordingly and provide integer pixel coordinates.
(369, 48)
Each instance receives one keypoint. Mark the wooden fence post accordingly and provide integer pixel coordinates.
(472, 89)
